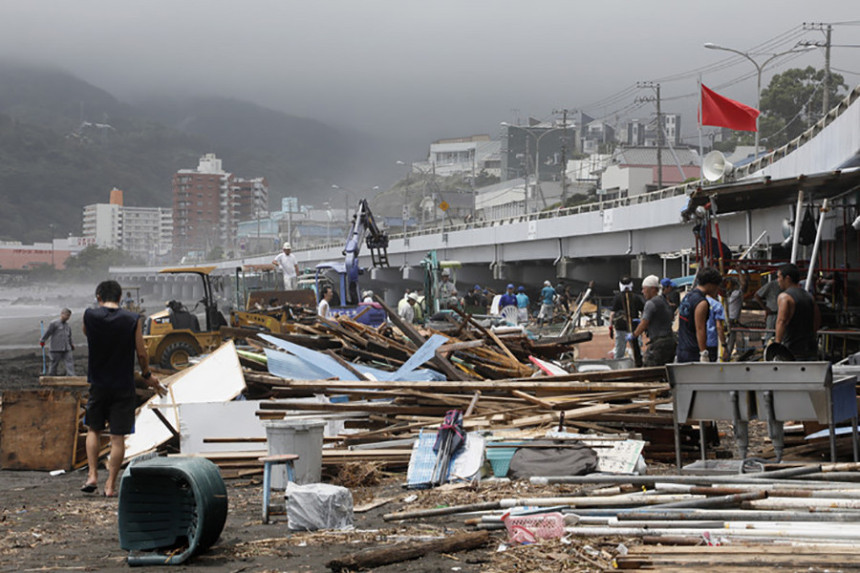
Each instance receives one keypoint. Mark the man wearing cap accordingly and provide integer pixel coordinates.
(656, 320)
(693, 317)
(407, 312)
(522, 305)
(289, 266)
(547, 294)
(671, 294)
(625, 301)
(509, 298)
(474, 301)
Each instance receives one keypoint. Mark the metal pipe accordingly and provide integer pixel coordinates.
(718, 501)
(810, 285)
(621, 500)
(803, 503)
(739, 514)
(686, 479)
(772, 491)
(828, 534)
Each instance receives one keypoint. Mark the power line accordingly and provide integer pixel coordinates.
(782, 39)
(845, 71)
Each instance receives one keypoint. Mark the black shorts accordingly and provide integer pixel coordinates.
(111, 406)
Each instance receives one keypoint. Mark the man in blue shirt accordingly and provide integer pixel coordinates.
(508, 299)
(547, 294)
(716, 328)
(522, 305)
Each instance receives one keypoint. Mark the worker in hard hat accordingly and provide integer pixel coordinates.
(288, 264)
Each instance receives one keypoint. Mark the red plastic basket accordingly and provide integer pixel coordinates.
(532, 528)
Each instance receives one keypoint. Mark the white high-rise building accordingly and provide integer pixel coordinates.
(145, 233)
(103, 224)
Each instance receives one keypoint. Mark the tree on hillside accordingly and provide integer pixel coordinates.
(96, 260)
(792, 101)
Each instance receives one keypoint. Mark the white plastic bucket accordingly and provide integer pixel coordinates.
(301, 437)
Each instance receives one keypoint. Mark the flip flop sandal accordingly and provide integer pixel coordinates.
(89, 488)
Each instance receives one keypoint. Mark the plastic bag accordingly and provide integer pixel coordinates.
(318, 506)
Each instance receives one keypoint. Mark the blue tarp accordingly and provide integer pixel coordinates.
(305, 364)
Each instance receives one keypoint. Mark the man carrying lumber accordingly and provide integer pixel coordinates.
(656, 320)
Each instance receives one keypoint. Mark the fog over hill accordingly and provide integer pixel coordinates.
(65, 143)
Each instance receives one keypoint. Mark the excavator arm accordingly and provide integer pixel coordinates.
(364, 230)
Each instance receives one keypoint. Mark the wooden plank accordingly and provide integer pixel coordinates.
(412, 333)
(347, 365)
(532, 399)
(542, 387)
(64, 381)
(579, 413)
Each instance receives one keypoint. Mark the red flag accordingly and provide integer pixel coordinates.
(721, 111)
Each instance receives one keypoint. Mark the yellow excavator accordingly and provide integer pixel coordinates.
(174, 334)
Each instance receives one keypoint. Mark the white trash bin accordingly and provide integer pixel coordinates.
(301, 437)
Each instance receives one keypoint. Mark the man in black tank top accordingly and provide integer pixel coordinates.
(693, 317)
(798, 318)
(114, 335)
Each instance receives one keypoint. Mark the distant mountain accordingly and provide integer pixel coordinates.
(65, 143)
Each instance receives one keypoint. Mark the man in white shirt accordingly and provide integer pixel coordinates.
(289, 266)
(407, 313)
(323, 307)
(446, 289)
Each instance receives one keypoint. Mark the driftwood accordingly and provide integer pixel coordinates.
(406, 551)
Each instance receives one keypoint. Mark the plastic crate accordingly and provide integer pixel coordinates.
(532, 528)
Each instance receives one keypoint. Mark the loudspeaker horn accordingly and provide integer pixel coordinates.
(715, 166)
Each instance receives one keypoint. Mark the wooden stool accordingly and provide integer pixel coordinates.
(268, 463)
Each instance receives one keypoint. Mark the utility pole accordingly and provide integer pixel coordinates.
(656, 88)
(526, 180)
(564, 113)
(828, 32)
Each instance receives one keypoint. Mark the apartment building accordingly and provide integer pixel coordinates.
(208, 204)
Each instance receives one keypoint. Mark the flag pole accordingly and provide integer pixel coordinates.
(701, 156)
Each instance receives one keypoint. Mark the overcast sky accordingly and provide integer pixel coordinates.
(422, 70)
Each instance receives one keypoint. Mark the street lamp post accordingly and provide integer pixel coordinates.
(346, 195)
(759, 69)
(425, 175)
(537, 139)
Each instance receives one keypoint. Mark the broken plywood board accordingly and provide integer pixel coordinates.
(217, 378)
(40, 429)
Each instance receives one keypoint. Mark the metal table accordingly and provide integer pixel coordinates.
(774, 391)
